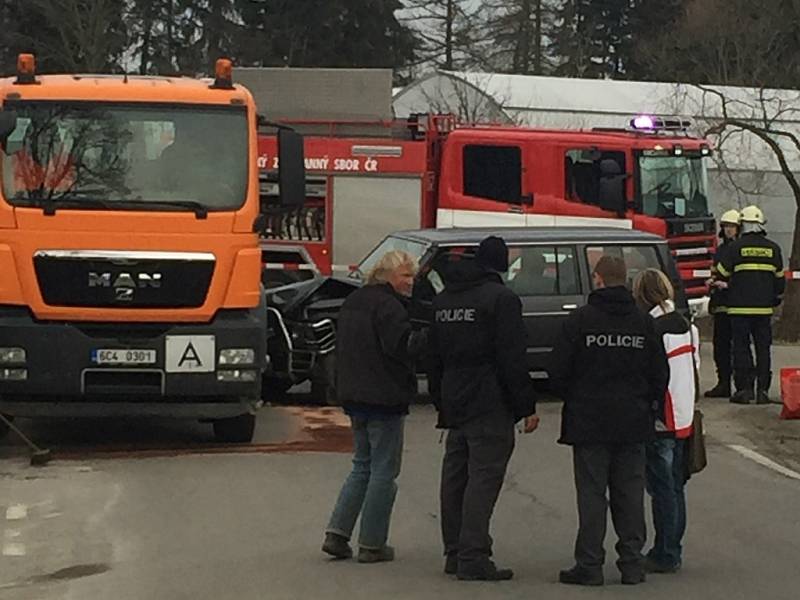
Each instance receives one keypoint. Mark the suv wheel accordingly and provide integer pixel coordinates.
(235, 430)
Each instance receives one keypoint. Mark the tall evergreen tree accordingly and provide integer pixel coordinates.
(593, 39)
(517, 31)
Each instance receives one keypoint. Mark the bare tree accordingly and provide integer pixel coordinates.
(89, 34)
(446, 30)
(771, 118)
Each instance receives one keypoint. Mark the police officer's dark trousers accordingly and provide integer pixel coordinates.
(723, 344)
(759, 329)
(620, 469)
(476, 457)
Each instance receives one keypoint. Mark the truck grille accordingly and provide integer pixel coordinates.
(123, 279)
(693, 258)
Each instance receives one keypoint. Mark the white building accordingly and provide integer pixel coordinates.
(743, 171)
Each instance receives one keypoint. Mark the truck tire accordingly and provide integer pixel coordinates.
(4, 428)
(235, 430)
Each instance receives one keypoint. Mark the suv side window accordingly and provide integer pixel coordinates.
(493, 172)
(542, 271)
(637, 257)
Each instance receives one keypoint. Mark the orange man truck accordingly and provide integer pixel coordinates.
(131, 271)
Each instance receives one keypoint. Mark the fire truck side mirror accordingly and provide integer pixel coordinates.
(291, 168)
(8, 123)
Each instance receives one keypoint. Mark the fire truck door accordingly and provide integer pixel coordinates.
(547, 280)
(366, 209)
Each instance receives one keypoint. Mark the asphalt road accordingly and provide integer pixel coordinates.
(152, 510)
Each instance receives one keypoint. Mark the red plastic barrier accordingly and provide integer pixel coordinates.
(790, 393)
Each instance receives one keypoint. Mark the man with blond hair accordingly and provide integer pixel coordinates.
(375, 383)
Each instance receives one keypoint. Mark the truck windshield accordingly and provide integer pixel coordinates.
(118, 156)
(672, 186)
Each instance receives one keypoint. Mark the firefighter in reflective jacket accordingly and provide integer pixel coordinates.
(753, 267)
(723, 341)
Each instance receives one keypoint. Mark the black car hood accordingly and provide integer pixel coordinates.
(303, 299)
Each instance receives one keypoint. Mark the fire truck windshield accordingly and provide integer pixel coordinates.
(672, 186)
(126, 156)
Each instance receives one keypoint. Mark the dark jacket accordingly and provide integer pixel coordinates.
(374, 369)
(610, 368)
(478, 346)
(719, 296)
(753, 267)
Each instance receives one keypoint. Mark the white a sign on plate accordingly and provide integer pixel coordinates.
(190, 354)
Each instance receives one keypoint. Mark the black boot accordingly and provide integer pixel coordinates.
(451, 564)
(721, 390)
(744, 396)
(483, 571)
(579, 576)
(762, 397)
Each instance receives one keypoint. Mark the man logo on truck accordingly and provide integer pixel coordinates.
(124, 284)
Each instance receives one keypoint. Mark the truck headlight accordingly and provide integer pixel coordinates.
(237, 356)
(237, 375)
(13, 374)
(12, 356)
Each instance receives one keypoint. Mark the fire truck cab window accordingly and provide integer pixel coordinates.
(637, 258)
(542, 271)
(493, 172)
(586, 171)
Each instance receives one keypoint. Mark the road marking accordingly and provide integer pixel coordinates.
(764, 461)
(16, 512)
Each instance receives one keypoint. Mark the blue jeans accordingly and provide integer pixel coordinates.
(665, 484)
(370, 488)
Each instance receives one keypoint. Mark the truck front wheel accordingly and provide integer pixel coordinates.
(235, 430)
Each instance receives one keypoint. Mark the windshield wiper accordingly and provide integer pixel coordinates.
(89, 200)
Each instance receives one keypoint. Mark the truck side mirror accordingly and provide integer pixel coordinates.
(8, 123)
(291, 168)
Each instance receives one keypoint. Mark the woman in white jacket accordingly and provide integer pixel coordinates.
(665, 456)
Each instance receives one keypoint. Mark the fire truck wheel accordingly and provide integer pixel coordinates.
(235, 430)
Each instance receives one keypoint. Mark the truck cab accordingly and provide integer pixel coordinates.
(131, 267)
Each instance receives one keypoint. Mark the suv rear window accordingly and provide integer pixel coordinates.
(637, 257)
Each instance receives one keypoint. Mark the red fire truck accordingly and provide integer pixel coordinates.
(429, 171)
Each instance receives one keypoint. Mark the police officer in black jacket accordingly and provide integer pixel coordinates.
(753, 268)
(481, 387)
(611, 370)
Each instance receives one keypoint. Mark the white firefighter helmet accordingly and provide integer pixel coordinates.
(730, 217)
(752, 214)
